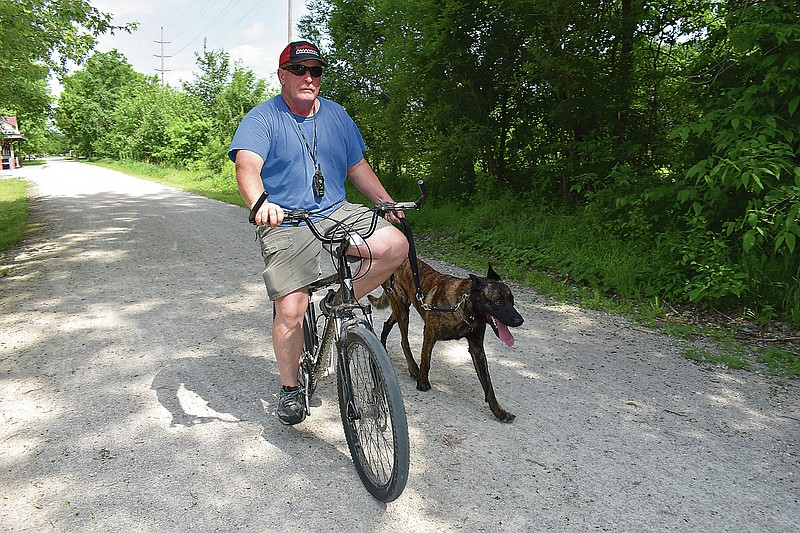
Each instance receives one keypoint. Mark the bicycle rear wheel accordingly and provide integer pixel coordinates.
(374, 421)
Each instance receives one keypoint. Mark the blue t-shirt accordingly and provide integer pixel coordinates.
(271, 131)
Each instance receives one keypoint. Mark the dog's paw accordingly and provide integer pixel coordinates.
(423, 385)
(505, 416)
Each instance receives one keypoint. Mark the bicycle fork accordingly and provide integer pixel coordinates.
(344, 368)
(343, 325)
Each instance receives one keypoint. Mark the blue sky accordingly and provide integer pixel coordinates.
(253, 31)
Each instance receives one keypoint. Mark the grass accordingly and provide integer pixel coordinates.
(13, 213)
(731, 354)
(557, 244)
(728, 353)
(781, 362)
(733, 361)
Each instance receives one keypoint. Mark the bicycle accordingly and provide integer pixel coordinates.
(342, 339)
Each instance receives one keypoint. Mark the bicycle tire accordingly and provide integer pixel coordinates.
(378, 441)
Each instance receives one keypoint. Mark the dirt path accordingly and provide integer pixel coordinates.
(137, 387)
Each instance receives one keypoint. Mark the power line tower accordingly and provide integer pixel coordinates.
(162, 42)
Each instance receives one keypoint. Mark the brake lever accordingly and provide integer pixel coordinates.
(296, 217)
(385, 207)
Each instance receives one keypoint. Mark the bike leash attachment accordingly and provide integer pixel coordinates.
(412, 258)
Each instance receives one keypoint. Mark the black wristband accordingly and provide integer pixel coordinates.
(257, 206)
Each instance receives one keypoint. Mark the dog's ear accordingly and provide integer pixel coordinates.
(478, 283)
(492, 274)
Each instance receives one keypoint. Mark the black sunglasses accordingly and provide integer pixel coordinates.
(300, 70)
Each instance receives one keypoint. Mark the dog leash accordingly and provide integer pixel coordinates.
(412, 257)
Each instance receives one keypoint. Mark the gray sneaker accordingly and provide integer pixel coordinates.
(290, 407)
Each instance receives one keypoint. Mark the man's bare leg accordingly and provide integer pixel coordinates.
(287, 334)
(388, 247)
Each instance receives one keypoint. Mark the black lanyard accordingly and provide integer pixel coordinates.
(305, 141)
(317, 180)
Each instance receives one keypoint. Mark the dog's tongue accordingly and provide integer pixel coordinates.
(503, 334)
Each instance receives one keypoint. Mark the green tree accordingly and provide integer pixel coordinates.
(155, 124)
(743, 190)
(521, 95)
(214, 76)
(231, 104)
(243, 93)
(622, 113)
(749, 183)
(90, 96)
(40, 37)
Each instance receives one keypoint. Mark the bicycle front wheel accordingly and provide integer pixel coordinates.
(305, 372)
(374, 417)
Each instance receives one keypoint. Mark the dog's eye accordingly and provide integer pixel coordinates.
(498, 302)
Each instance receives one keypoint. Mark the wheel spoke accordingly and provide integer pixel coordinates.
(374, 426)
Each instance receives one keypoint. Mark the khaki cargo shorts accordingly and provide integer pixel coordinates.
(292, 254)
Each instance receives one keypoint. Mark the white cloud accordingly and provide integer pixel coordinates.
(255, 31)
(262, 61)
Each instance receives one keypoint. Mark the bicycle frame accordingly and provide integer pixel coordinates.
(341, 315)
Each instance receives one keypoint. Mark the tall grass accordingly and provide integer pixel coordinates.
(511, 233)
(13, 211)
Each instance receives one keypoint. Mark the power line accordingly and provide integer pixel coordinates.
(238, 21)
(202, 11)
(213, 21)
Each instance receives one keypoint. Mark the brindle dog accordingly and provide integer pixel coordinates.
(477, 301)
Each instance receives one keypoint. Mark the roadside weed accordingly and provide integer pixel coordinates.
(781, 362)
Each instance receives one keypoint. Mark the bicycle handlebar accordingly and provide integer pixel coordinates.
(297, 216)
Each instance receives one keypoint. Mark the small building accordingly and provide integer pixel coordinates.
(9, 136)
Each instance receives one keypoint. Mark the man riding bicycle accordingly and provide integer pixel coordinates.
(297, 149)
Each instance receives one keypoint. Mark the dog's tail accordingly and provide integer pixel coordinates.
(381, 302)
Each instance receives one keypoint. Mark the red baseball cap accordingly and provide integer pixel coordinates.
(299, 51)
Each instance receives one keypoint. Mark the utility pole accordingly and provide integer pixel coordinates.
(162, 42)
(290, 21)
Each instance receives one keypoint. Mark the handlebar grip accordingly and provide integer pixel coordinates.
(423, 193)
(257, 206)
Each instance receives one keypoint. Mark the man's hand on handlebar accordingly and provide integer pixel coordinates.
(394, 217)
(269, 215)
